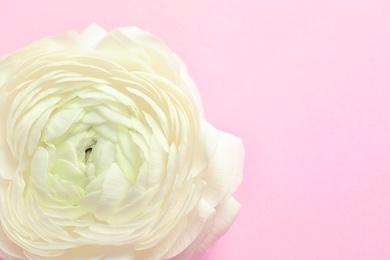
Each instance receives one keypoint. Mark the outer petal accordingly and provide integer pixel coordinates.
(8, 250)
(223, 175)
(153, 69)
(224, 172)
(92, 35)
(161, 58)
(197, 222)
(226, 213)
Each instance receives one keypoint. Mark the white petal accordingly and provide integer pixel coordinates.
(114, 188)
(92, 35)
(160, 57)
(60, 123)
(8, 248)
(120, 253)
(7, 161)
(225, 216)
(224, 173)
(196, 222)
(68, 171)
(39, 166)
(157, 163)
(205, 148)
(189, 83)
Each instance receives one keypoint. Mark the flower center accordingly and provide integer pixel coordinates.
(88, 152)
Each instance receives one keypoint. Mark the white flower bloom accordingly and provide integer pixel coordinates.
(105, 153)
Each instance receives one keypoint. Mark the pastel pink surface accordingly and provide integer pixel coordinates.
(305, 84)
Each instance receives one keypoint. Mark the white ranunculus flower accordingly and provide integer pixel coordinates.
(105, 153)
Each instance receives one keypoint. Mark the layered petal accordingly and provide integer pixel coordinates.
(105, 152)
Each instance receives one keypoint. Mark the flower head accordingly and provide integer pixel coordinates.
(105, 153)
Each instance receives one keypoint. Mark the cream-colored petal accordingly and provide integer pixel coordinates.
(224, 172)
(92, 35)
(106, 154)
(8, 249)
(196, 223)
(226, 213)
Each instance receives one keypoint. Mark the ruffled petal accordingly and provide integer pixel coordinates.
(105, 153)
(224, 172)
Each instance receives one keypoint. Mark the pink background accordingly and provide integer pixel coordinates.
(305, 84)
